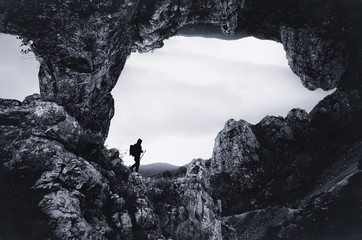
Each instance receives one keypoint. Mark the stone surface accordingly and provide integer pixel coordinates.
(320, 214)
(71, 192)
(319, 61)
(82, 48)
(185, 206)
(230, 156)
(296, 177)
(310, 163)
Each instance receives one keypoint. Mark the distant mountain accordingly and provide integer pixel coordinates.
(156, 168)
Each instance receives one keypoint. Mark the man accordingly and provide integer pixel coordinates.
(135, 151)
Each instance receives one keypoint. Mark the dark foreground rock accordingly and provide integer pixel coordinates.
(292, 178)
(329, 210)
(55, 191)
(297, 177)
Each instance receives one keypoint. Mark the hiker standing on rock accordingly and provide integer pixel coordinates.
(135, 150)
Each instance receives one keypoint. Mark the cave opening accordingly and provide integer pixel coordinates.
(178, 98)
(18, 71)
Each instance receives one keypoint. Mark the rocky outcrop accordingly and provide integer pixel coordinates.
(81, 47)
(288, 177)
(283, 178)
(235, 159)
(203, 210)
(175, 209)
(73, 195)
(319, 61)
(321, 213)
(70, 191)
(252, 160)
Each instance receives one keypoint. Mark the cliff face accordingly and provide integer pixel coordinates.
(284, 178)
(81, 47)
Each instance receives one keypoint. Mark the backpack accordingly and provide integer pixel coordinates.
(132, 150)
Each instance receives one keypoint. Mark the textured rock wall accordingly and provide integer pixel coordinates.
(292, 178)
(82, 48)
(38, 139)
(283, 178)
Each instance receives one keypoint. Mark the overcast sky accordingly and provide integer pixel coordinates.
(18, 72)
(178, 98)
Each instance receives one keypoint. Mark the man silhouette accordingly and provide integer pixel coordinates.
(135, 151)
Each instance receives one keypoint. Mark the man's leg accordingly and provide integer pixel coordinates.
(134, 165)
(137, 165)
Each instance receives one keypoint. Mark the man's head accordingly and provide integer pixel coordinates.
(139, 141)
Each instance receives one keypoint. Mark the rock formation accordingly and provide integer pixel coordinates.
(284, 178)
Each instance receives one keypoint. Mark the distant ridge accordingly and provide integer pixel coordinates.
(156, 168)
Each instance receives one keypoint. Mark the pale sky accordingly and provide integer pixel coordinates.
(178, 98)
(18, 72)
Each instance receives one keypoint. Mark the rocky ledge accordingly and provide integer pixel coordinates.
(284, 178)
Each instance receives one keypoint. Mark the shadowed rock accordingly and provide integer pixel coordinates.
(283, 178)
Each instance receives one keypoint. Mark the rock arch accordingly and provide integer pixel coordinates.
(82, 47)
(54, 141)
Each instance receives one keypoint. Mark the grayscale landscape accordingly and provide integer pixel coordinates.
(288, 175)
